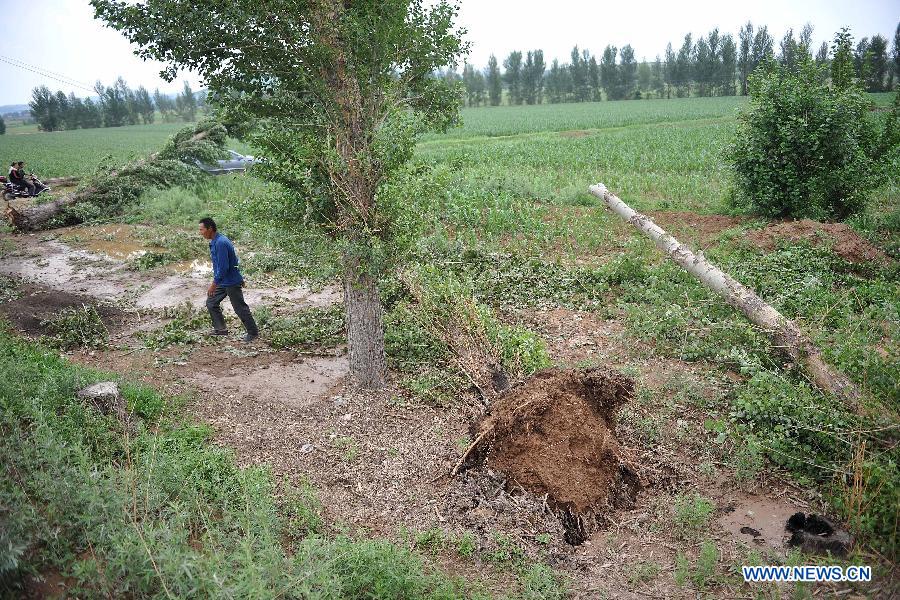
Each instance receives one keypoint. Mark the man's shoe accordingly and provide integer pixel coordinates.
(250, 337)
(217, 332)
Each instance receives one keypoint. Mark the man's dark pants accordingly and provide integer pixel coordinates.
(236, 296)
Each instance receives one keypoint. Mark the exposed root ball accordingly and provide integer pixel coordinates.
(555, 437)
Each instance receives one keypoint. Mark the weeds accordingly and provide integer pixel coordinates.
(77, 328)
(309, 329)
(692, 514)
(703, 571)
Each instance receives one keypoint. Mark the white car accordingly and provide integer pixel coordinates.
(235, 163)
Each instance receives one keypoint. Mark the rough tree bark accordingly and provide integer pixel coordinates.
(784, 332)
(365, 330)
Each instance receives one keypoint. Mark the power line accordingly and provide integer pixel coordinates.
(26, 64)
(43, 73)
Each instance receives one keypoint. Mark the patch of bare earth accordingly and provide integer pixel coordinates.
(845, 242)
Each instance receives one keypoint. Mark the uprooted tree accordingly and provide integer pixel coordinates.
(112, 187)
(337, 92)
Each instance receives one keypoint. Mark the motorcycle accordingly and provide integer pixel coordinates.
(12, 191)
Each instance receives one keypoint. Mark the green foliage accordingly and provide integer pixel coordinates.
(803, 149)
(465, 544)
(643, 572)
(309, 329)
(539, 582)
(80, 327)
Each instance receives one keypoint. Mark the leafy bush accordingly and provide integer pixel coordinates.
(804, 149)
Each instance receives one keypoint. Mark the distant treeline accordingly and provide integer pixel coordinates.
(714, 65)
(115, 106)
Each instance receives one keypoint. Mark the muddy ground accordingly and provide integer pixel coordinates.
(381, 462)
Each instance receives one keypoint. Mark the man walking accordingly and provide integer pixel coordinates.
(227, 281)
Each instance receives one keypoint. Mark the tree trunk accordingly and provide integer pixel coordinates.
(784, 332)
(33, 217)
(365, 331)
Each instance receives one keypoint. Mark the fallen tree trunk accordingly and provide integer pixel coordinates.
(782, 330)
(31, 218)
(34, 217)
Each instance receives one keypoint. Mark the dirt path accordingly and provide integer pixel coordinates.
(380, 462)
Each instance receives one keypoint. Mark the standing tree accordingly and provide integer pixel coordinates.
(727, 66)
(609, 73)
(763, 47)
(877, 64)
(2, 126)
(513, 76)
(539, 67)
(705, 67)
(93, 116)
(645, 74)
(186, 104)
(341, 90)
(670, 69)
(684, 68)
(627, 71)
(165, 106)
(494, 83)
(554, 83)
(842, 69)
(144, 105)
(789, 51)
(580, 75)
(658, 80)
(44, 108)
(529, 83)
(745, 55)
(594, 79)
(895, 53)
(822, 59)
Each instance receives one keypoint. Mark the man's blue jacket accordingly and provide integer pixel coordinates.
(224, 262)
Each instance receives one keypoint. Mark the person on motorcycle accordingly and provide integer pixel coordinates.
(17, 176)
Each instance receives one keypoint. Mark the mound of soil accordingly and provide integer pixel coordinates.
(554, 436)
(38, 303)
(705, 228)
(845, 242)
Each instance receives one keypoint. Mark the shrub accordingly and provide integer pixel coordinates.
(804, 149)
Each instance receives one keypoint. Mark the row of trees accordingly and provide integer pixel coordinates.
(115, 105)
(712, 65)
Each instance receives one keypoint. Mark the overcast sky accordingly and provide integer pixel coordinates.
(61, 35)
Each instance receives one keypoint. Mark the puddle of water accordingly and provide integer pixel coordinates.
(294, 384)
(198, 268)
(765, 516)
(117, 241)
